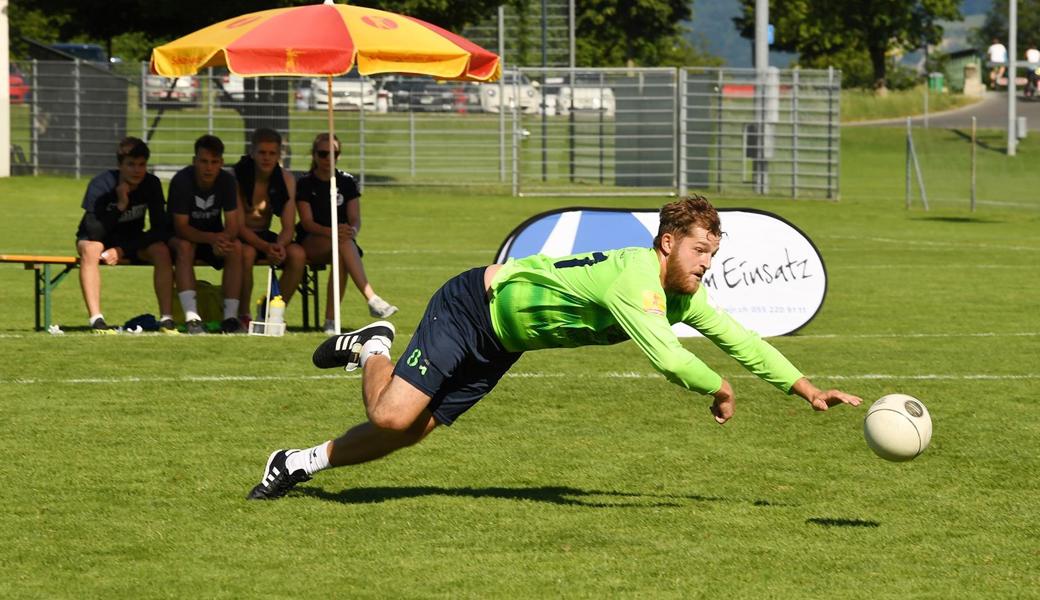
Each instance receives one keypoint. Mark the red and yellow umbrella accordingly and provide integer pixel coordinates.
(327, 39)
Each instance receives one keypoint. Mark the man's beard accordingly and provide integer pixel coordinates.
(678, 280)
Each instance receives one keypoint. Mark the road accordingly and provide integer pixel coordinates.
(990, 113)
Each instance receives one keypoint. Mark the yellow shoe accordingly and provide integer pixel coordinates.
(168, 327)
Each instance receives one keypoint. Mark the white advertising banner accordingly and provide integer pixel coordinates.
(767, 274)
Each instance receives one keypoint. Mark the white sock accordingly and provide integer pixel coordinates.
(164, 317)
(230, 308)
(376, 346)
(95, 318)
(191, 309)
(310, 460)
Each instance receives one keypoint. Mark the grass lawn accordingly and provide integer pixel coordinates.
(584, 474)
(865, 105)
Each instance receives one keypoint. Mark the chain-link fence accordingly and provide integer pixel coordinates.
(537, 131)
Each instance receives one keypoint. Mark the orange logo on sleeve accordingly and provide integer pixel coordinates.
(653, 303)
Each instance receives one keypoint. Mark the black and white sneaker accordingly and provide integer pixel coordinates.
(195, 327)
(345, 350)
(277, 480)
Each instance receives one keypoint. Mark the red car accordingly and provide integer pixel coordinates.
(20, 91)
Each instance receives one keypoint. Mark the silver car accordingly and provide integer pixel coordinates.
(515, 93)
(349, 92)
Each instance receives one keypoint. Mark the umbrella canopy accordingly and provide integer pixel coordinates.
(327, 39)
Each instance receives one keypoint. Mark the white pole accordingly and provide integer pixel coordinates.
(335, 213)
(761, 57)
(5, 96)
(1012, 139)
(267, 299)
(572, 26)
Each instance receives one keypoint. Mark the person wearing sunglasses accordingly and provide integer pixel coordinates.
(314, 231)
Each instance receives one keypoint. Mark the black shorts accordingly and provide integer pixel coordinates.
(130, 245)
(268, 236)
(205, 253)
(455, 356)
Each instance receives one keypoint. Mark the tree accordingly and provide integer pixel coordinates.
(822, 29)
(995, 26)
(613, 33)
(26, 21)
(104, 21)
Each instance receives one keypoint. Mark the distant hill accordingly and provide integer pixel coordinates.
(712, 29)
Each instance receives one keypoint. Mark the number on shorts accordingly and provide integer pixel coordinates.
(413, 360)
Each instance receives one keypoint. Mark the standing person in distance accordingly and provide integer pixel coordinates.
(998, 58)
(206, 220)
(112, 228)
(481, 321)
(265, 189)
(314, 231)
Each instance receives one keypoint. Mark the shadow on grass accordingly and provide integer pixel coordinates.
(828, 522)
(561, 495)
(979, 142)
(957, 219)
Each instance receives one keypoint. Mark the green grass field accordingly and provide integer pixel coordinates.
(865, 105)
(584, 474)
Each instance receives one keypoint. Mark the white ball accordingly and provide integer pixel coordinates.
(897, 427)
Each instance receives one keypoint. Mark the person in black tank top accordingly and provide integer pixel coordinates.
(314, 231)
(265, 190)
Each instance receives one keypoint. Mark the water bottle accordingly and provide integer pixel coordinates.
(276, 310)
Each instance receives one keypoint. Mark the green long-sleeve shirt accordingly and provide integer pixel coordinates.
(608, 297)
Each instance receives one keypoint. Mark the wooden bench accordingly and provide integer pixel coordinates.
(49, 271)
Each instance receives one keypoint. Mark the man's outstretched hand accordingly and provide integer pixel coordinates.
(823, 399)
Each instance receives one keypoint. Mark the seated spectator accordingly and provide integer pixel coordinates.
(112, 228)
(199, 194)
(998, 57)
(314, 231)
(264, 190)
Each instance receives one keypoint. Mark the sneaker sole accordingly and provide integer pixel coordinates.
(327, 359)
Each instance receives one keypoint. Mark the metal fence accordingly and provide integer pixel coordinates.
(537, 131)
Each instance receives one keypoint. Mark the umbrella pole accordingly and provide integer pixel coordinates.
(335, 214)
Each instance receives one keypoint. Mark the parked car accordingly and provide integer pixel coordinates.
(233, 86)
(20, 90)
(423, 94)
(589, 94)
(349, 92)
(163, 90)
(88, 52)
(529, 99)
